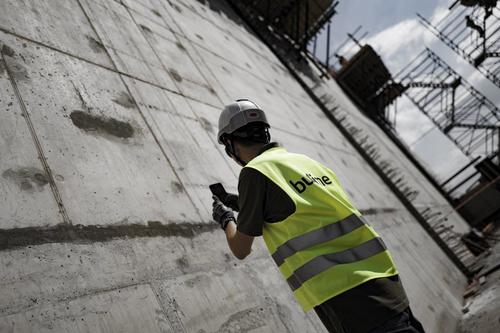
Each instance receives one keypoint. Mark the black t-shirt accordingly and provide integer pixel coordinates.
(358, 309)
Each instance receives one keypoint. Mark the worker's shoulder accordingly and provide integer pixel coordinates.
(249, 175)
(252, 181)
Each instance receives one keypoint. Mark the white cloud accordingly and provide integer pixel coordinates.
(401, 43)
(411, 123)
(439, 13)
(436, 150)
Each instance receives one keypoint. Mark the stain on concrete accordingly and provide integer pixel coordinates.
(156, 12)
(374, 211)
(244, 321)
(97, 124)
(200, 282)
(125, 100)
(176, 7)
(180, 46)
(175, 74)
(177, 187)
(66, 233)
(191, 283)
(19, 72)
(94, 44)
(6, 50)
(182, 263)
(206, 124)
(27, 178)
(146, 29)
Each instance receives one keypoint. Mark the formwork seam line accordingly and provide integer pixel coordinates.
(155, 137)
(163, 65)
(105, 67)
(37, 143)
(178, 321)
(178, 87)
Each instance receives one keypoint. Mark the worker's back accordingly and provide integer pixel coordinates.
(324, 248)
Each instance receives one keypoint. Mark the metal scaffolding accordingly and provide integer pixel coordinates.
(291, 25)
(473, 31)
(460, 111)
(457, 109)
(296, 20)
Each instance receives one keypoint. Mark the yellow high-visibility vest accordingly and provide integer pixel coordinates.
(325, 247)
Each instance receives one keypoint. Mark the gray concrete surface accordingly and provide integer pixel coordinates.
(109, 113)
(482, 309)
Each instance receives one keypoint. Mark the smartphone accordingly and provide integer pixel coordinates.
(218, 190)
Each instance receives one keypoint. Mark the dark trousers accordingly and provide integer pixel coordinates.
(404, 322)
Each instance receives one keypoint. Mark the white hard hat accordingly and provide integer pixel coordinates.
(238, 114)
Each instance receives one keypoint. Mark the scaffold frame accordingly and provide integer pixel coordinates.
(473, 32)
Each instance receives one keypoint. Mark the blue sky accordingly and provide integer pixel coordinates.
(396, 34)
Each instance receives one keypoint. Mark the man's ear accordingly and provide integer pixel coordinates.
(236, 146)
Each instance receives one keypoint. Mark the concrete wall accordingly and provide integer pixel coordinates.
(107, 141)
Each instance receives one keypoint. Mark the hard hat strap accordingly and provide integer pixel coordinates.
(230, 151)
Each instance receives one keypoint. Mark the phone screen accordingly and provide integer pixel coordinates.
(218, 190)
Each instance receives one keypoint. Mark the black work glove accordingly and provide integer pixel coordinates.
(231, 201)
(221, 213)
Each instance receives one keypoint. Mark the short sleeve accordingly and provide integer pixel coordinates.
(252, 196)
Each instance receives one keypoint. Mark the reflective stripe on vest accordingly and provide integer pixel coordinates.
(327, 261)
(315, 237)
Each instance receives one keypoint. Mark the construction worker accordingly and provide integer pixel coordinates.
(334, 262)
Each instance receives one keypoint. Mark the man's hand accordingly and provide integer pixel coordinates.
(231, 201)
(239, 243)
(221, 213)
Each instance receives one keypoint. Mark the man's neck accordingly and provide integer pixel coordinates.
(252, 152)
(256, 150)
